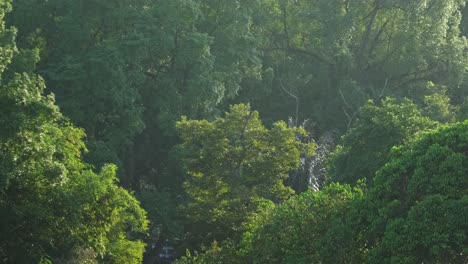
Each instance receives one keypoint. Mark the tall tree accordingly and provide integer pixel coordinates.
(53, 205)
(327, 58)
(198, 55)
(90, 59)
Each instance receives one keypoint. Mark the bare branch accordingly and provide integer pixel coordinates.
(295, 98)
(344, 99)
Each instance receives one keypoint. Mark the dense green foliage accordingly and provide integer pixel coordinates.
(53, 206)
(119, 66)
(420, 201)
(415, 212)
(235, 165)
(366, 146)
(126, 71)
(297, 231)
(327, 58)
(185, 103)
(89, 55)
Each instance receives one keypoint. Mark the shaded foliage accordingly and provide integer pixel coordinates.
(366, 146)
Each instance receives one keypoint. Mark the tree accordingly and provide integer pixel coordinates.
(323, 60)
(197, 56)
(126, 71)
(91, 59)
(297, 231)
(366, 146)
(54, 207)
(234, 165)
(415, 211)
(437, 105)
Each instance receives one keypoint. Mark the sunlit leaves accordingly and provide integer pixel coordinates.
(233, 163)
(53, 206)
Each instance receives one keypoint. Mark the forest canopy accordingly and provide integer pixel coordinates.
(233, 131)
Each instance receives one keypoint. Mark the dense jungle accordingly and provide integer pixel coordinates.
(233, 131)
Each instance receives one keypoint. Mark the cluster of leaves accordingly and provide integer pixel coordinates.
(366, 146)
(53, 206)
(235, 167)
(420, 201)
